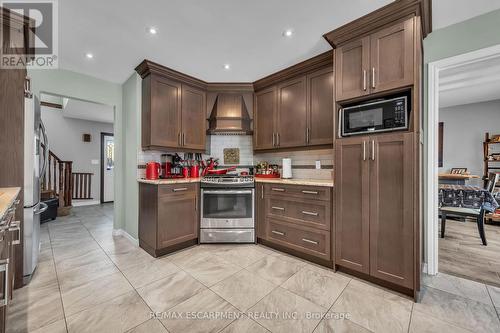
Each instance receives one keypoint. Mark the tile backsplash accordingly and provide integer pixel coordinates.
(303, 162)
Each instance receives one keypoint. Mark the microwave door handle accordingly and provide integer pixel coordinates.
(340, 124)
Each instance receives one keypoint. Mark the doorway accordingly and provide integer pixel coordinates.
(448, 78)
(107, 167)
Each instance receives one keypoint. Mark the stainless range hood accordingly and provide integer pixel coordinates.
(229, 116)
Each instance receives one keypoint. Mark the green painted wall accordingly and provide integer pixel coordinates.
(84, 87)
(131, 127)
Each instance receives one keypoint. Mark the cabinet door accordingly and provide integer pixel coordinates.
(162, 119)
(193, 118)
(292, 117)
(260, 211)
(320, 107)
(351, 69)
(177, 218)
(392, 208)
(264, 118)
(391, 57)
(352, 204)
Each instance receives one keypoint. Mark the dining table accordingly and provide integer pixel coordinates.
(467, 196)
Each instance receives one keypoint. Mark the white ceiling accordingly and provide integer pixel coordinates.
(197, 37)
(472, 83)
(78, 109)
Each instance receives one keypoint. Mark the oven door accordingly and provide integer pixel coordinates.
(227, 208)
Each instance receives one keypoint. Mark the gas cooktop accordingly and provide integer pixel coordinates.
(227, 180)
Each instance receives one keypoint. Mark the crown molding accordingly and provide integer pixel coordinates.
(147, 67)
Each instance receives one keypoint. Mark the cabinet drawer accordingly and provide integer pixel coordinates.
(304, 239)
(312, 213)
(298, 191)
(176, 189)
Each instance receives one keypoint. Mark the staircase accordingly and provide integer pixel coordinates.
(62, 183)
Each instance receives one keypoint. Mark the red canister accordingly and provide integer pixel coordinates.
(185, 172)
(152, 170)
(195, 171)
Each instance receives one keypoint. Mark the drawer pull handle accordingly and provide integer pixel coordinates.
(180, 189)
(309, 241)
(278, 233)
(309, 213)
(16, 227)
(310, 192)
(278, 208)
(4, 267)
(16, 202)
(278, 189)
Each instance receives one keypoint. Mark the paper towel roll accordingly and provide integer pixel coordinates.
(287, 168)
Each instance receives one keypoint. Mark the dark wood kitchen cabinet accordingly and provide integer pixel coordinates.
(168, 217)
(173, 109)
(291, 125)
(381, 61)
(265, 105)
(294, 108)
(193, 118)
(374, 206)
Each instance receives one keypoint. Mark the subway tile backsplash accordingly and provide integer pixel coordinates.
(303, 162)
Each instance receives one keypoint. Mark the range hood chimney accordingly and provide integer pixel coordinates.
(229, 116)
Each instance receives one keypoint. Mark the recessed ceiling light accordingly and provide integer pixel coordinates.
(227, 66)
(152, 30)
(89, 55)
(288, 33)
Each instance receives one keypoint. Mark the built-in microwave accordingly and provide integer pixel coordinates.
(377, 116)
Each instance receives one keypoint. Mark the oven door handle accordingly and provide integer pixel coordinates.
(227, 192)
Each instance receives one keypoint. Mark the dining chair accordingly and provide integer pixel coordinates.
(477, 213)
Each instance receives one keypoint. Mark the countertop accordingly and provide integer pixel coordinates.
(169, 181)
(7, 197)
(295, 181)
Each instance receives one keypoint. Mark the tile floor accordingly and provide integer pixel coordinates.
(90, 281)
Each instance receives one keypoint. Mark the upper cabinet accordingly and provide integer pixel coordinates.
(382, 61)
(173, 109)
(295, 110)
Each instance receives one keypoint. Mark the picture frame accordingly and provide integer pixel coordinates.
(458, 171)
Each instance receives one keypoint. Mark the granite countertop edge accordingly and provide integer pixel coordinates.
(9, 195)
(295, 181)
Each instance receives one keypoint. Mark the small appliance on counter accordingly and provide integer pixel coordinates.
(266, 170)
(152, 170)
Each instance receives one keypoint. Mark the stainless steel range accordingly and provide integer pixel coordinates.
(227, 209)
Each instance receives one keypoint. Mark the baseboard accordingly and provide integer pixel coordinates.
(123, 233)
(424, 267)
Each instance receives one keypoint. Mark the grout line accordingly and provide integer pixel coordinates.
(411, 317)
(493, 303)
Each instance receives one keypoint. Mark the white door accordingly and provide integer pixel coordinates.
(108, 165)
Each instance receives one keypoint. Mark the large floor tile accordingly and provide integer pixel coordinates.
(195, 314)
(424, 323)
(56, 327)
(241, 255)
(374, 308)
(34, 307)
(209, 269)
(149, 271)
(458, 286)
(274, 269)
(86, 273)
(495, 295)
(117, 315)
(87, 258)
(130, 258)
(79, 297)
(243, 290)
(322, 288)
(45, 273)
(458, 310)
(151, 326)
(165, 293)
(244, 325)
(283, 311)
(331, 324)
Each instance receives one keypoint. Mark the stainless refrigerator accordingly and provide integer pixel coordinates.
(35, 163)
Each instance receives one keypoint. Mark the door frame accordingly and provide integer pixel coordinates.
(101, 199)
(431, 147)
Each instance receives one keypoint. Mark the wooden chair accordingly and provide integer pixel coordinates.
(478, 214)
